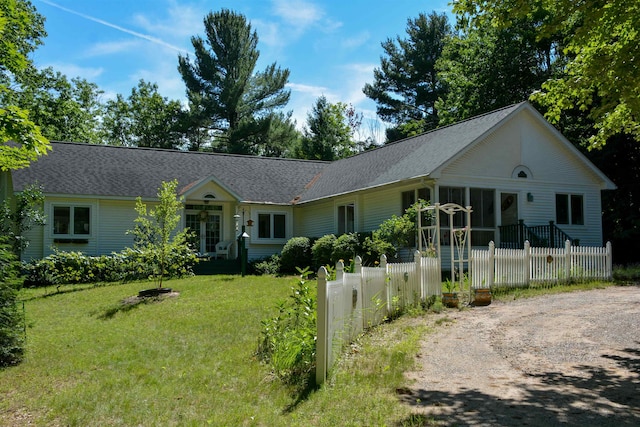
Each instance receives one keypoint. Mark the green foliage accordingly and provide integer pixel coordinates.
(627, 274)
(234, 101)
(406, 85)
(18, 219)
(288, 340)
(11, 319)
(267, 266)
(21, 30)
(329, 132)
(322, 250)
(155, 236)
(346, 248)
(144, 119)
(75, 267)
(600, 41)
(295, 253)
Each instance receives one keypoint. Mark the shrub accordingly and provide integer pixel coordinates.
(322, 250)
(295, 253)
(266, 266)
(11, 319)
(288, 340)
(345, 248)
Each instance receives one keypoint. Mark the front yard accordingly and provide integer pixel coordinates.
(188, 360)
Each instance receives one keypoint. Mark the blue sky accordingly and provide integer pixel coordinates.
(331, 47)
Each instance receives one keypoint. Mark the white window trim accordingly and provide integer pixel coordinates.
(71, 234)
(338, 205)
(255, 233)
(569, 222)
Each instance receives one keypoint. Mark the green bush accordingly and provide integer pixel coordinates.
(11, 319)
(265, 266)
(627, 274)
(346, 247)
(295, 253)
(322, 250)
(288, 340)
(130, 264)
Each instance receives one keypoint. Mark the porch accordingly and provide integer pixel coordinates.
(541, 236)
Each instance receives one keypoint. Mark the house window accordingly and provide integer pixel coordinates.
(412, 196)
(483, 219)
(71, 220)
(451, 195)
(569, 209)
(346, 218)
(272, 226)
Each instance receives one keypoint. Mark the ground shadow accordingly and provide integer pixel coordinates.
(597, 397)
(129, 304)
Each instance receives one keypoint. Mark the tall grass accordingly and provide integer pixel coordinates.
(93, 359)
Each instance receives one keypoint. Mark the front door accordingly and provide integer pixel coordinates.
(206, 230)
(508, 208)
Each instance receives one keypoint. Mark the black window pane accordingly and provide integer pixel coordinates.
(577, 213)
(81, 220)
(279, 229)
(61, 219)
(264, 226)
(562, 209)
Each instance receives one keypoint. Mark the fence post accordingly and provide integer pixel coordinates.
(339, 270)
(567, 260)
(417, 259)
(609, 262)
(491, 268)
(358, 265)
(322, 338)
(527, 263)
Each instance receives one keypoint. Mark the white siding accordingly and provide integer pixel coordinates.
(115, 218)
(314, 219)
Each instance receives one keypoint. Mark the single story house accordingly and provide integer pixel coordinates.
(509, 165)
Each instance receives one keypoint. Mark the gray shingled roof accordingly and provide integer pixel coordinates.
(102, 170)
(410, 158)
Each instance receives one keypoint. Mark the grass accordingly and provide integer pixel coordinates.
(94, 358)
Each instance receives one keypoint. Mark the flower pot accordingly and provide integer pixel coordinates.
(482, 296)
(450, 299)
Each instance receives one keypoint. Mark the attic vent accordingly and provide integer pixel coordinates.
(522, 174)
(209, 196)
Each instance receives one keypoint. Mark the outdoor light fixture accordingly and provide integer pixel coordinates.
(204, 215)
(529, 197)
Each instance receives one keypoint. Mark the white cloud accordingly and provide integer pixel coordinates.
(110, 48)
(357, 40)
(297, 13)
(181, 22)
(73, 70)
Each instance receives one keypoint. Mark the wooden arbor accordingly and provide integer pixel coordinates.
(432, 235)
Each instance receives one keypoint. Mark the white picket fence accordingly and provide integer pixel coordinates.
(508, 268)
(365, 298)
(356, 301)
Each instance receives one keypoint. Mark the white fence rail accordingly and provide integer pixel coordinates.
(356, 301)
(497, 267)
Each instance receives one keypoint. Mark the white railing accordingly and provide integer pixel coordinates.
(497, 267)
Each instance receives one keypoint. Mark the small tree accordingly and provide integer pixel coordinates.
(155, 236)
(11, 319)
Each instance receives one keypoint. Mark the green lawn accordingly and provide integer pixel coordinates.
(92, 360)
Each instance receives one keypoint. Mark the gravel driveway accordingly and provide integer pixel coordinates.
(566, 359)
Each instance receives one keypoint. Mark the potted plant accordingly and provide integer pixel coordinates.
(450, 298)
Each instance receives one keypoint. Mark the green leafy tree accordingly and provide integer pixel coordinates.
(486, 68)
(11, 319)
(65, 110)
(236, 100)
(144, 119)
(601, 41)
(406, 86)
(20, 215)
(329, 132)
(21, 30)
(155, 232)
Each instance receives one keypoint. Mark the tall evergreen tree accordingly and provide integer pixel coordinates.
(222, 78)
(406, 86)
(328, 135)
